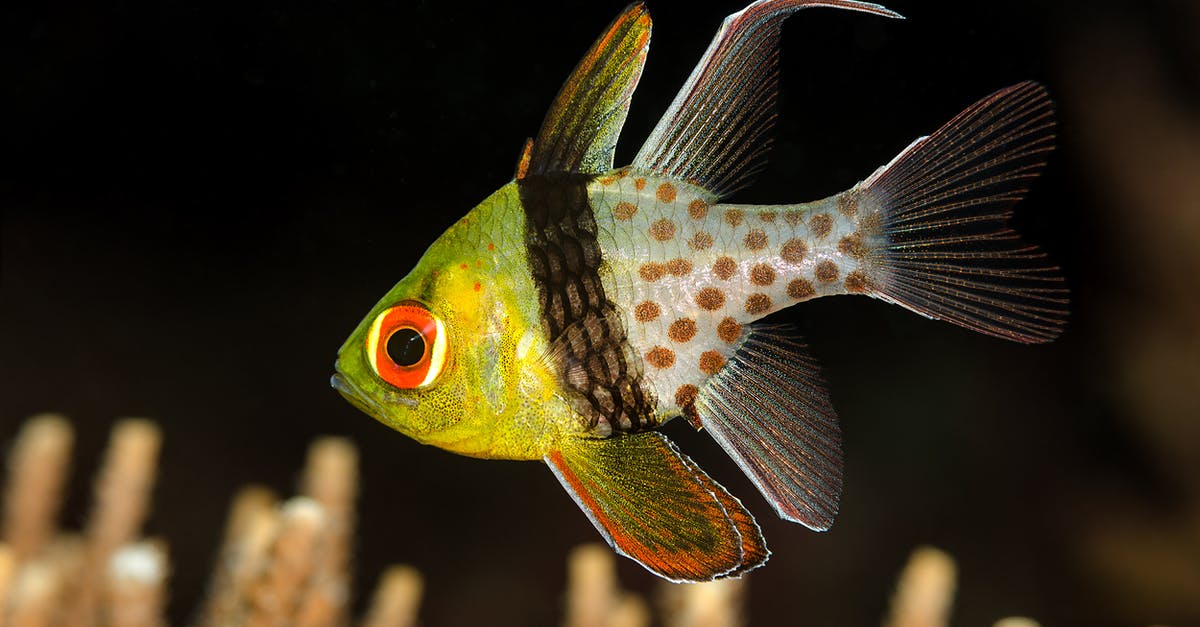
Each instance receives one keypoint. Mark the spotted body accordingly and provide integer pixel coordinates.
(692, 276)
(581, 306)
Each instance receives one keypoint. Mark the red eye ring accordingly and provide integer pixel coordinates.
(420, 364)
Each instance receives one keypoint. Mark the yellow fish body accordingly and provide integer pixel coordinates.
(581, 306)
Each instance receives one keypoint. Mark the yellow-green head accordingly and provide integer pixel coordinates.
(450, 355)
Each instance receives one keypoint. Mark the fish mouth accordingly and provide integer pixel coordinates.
(359, 399)
(352, 394)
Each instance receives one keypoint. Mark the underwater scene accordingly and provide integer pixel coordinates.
(518, 271)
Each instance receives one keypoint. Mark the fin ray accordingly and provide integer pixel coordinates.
(769, 409)
(654, 505)
(754, 546)
(735, 83)
(579, 133)
(945, 201)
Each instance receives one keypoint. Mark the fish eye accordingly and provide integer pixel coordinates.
(406, 346)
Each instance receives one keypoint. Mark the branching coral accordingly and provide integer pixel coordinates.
(288, 563)
(280, 564)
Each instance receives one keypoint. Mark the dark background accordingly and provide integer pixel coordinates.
(200, 202)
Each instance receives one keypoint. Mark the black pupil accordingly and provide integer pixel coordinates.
(406, 347)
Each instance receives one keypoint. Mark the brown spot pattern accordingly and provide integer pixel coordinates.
(734, 217)
(698, 209)
(853, 246)
(639, 183)
(700, 241)
(820, 224)
(729, 330)
(679, 267)
(685, 399)
(724, 268)
(800, 289)
(762, 274)
(871, 223)
(662, 230)
(711, 362)
(793, 251)
(646, 311)
(682, 330)
(857, 282)
(660, 357)
(767, 216)
(826, 271)
(756, 239)
(847, 204)
(685, 395)
(758, 304)
(710, 299)
(666, 192)
(625, 210)
(793, 216)
(651, 271)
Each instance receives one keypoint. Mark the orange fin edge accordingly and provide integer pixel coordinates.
(655, 506)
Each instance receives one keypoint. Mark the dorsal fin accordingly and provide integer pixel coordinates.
(523, 160)
(735, 86)
(580, 131)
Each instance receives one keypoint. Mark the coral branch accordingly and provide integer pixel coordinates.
(122, 500)
(712, 604)
(37, 470)
(397, 599)
(136, 590)
(276, 595)
(8, 569)
(331, 479)
(591, 586)
(248, 533)
(925, 591)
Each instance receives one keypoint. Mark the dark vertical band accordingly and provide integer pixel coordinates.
(584, 329)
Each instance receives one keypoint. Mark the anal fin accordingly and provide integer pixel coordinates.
(769, 409)
(655, 506)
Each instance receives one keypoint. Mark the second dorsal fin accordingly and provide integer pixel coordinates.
(716, 132)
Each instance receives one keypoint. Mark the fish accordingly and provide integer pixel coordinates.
(581, 306)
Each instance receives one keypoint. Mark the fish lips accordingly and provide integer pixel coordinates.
(351, 393)
(355, 395)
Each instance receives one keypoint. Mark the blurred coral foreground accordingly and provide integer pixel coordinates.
(288, 564)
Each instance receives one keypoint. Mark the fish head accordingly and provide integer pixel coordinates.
(437, 357)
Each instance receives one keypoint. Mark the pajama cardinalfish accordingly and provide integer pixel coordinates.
(581, 306)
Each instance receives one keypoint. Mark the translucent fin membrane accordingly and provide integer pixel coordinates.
(716, 134)
(945, 202)
(768, 408)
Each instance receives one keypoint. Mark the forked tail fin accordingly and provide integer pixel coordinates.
(944, 203)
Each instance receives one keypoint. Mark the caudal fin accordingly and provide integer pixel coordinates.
(945, 202)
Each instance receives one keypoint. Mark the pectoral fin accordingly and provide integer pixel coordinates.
(654, 505)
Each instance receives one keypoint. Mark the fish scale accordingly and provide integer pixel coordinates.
(690, 276)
